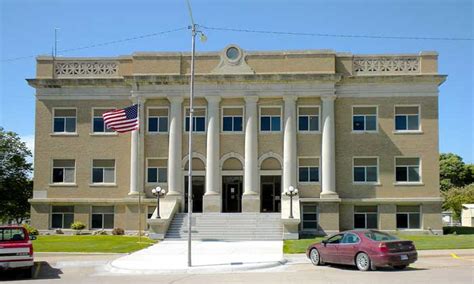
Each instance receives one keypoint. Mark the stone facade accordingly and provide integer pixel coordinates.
(287, 88)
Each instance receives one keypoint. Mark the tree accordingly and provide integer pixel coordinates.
(16, 186)
(454, 172)
(455, 197)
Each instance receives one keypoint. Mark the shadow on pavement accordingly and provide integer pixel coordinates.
(384, 269)
(42, 270)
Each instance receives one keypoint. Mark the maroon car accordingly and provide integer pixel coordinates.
(366, 249)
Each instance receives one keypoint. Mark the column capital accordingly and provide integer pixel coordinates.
(251, 99)
(290, 98)
(213, 99)
(328, 97)
(175, 99)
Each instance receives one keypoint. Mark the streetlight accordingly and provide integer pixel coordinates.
(291, 192)
(158, 191)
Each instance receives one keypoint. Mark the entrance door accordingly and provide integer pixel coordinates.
(231, 194)
(198, 192)
(270, 193)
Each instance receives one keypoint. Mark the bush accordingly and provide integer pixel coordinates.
(118, 231)
(99, 232)
(31, 230)
(458, 230)
(59, 232)
(78, 226)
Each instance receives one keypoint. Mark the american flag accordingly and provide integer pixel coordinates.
(122, 120)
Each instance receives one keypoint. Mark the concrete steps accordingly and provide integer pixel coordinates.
(227, 226)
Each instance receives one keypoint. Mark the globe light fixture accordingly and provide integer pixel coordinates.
(158, 192)
(292, 191)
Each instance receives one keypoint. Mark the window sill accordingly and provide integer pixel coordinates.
(103, 134)
(367, 183)
(270, 132)
(195, 133)
(308, 132)
(66, 134)
(410, 230)
(399, 132)
(63, 185)
(155, 183)
(103, 185)
(364, 132)
(408, 184)
(156, 133)
(309, 182)
(232, 132)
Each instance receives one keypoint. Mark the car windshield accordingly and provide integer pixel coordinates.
(379, 236)
(11, 234)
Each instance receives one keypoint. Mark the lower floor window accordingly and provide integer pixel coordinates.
(408, 217)
(102, 217)
(365, 217)
(62, 217)
(310, 217)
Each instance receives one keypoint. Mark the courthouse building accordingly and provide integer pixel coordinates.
(357, 135)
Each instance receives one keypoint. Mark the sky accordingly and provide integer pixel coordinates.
(27, 30)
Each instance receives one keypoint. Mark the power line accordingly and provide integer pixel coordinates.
(102, 43)
(335, 35)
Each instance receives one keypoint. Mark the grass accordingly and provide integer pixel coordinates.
(107, 244)
(421, 242)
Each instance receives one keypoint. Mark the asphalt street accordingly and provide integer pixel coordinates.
(440, 267)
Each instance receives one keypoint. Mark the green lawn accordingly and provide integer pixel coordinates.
(109, 244)
(421, 242)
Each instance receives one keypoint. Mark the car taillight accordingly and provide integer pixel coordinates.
(383, 247)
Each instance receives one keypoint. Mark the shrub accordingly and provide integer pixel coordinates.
(100, 232)
(118, 231)
(78, 226)
(59, 232)
(31, 230)
(458, 230)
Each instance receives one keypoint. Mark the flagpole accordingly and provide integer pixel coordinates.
(137, 172)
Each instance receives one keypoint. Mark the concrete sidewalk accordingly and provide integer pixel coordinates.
(169, 257)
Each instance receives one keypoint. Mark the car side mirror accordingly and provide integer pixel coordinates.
(32, 238)
(324, 242)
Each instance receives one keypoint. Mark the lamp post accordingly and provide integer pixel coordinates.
(291, 192)
(158, 192)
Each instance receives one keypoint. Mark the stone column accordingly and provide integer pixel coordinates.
(289, 144)
(328, 155)
(175, 147)
(136, 150)
(251, 197)
(212, 198)
(134, 163)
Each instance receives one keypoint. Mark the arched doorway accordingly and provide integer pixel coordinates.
(270, 185)
(198, 184)
(232, 185)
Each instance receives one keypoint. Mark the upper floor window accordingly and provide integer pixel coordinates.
(365, 217)
(157, 171)
(408, 217)
(270, 119)
(308, 119)
(103, 171)
(64, 171)
(407, 170)
(365, 169)
(364, 118)
(199, 120)
(407, 118)
(64, 120)
(232, 119)
(62, 217)
(308, 170)
(157, 120)
(98, 125)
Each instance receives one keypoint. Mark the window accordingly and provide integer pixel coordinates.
(365, 217)
(232, 119)
(364, 118)
(64, 121)
(407, 118)
(408, 217)
(102, 217)
(98, 125)
(350, 238)
(380, 236)
(157, 171)
(308, 170)
(64, 171)
(335, 239)
(308, 119)
(103, 171)
(11, 234)
(365, 170)
(199, 120)
(270, 119)
(157, 120)
(407, 170)
(62, 217)
(310, 217)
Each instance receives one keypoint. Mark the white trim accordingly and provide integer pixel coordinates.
(267, 155)
(92, 133)
(222, 120)
(366, 182)
(64, 133)
(230, 155)
(146, 171)
(298, 171)
(195, 155)
(92, 183)
(148, 122)
(407, 183)
(194, 117)
(365, 120)
(298, 119)
(260, 131)
(419, 130)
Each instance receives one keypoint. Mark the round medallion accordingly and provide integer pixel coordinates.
(232, 53)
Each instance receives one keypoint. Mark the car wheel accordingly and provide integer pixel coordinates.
(315, 257)
(400, 267)
(363, 262)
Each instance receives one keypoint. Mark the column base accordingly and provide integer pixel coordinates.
(328, 195)
(251, 203)
(212, 203)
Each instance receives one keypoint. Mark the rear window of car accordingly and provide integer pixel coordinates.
(11, 234)
(379, 236)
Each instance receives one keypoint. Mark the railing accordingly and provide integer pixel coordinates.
(386, 65)
(86, 69)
